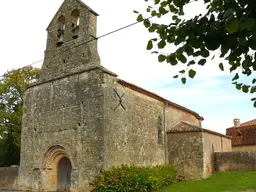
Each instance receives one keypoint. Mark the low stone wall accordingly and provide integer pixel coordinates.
(235, 161)
(9, 177)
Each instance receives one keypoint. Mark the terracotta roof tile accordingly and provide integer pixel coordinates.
(251, 122)
(186, 127)
(244, 135)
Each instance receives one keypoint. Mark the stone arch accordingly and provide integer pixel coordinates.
(51, 161)
(75, 20)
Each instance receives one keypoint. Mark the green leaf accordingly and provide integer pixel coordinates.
(245, 89)
(161, 58)
(236, 77)
(192, 62)
(150, 45)
(254, 104)
(173, 60)
(253, 99)
(176, 76)
(140, 18)
(161, 44)
(204, 53)
(202, 62)
(153, 28)
(232, 26)
(134, 11)
(156, 2)
(221, 66)
(182, 58)
(191, 73)
(239, 86)
(183, 80)
(247, 23)
(147, 23)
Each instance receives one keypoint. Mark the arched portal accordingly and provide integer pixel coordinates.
(64, 174)
(58, 168)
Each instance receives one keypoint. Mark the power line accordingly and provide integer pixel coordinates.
(94, 38)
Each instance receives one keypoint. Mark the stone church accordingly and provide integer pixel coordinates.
(79, 118)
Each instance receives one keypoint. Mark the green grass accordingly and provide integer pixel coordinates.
(220, 182)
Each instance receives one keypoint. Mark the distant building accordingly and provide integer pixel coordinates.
(243, 135)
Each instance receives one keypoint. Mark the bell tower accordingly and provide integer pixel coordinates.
(71, 43)
(62, 139)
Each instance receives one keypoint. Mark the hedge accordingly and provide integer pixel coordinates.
(133, 178)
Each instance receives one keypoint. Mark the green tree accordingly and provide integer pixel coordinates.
(228, 28)
(12, 86)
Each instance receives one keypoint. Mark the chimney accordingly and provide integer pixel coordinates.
(236, 122)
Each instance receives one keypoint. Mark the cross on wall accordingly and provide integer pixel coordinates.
(120, 100)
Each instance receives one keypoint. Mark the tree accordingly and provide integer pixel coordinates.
(12, 87)
(228, 27)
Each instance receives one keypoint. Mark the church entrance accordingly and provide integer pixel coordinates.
(64, 175)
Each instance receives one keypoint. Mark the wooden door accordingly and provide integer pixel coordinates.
(64, 175)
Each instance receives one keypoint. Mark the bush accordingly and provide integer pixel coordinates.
(132, 178)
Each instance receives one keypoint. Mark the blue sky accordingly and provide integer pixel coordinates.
(211, 94)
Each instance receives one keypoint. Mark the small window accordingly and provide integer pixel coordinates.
(75, 20)
(159, 130)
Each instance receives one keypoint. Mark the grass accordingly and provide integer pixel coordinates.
(220, 182)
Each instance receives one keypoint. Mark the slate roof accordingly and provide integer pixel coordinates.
(155, 96)
(183, 127)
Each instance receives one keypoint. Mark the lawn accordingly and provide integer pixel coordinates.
(220, 182)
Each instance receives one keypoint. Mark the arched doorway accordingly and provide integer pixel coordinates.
(64, 174)
(58, 168)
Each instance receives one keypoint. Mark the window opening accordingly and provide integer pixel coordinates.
(75, 20)
(61, 30)
(159, 130)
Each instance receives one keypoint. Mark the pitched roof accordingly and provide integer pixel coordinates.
(155, 96)
(247, 123)
(244, 135)
(78, 1)
(251, 122)
(186, 127)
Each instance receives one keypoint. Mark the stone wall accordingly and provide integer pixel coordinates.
(213, 143)
(244, 148)
(185, 153)
(66, 114)
(191, 150)
(131, 125)
(8, 178)
(235, 161)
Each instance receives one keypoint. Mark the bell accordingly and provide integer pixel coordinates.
(60, 40)
(60, 36)
(75, 32)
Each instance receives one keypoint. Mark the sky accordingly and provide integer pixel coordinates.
(210, 93)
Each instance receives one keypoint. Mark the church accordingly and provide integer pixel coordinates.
(80, 118)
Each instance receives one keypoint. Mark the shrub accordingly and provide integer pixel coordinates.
(133, 178)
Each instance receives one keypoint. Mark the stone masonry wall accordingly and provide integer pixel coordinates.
(67, 112)
(185, 152)
(235, 161)
(213, 143)
(131, 130)
(244, 148)
(8, 178)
